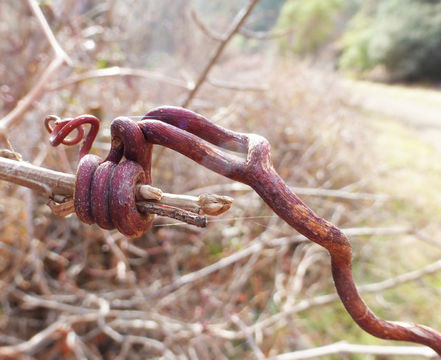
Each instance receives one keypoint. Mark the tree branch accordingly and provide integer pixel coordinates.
(59, 52)
(22, 106)
(264, 35)
(234, 27)
(57, 185)
(204, 28)
(235, 86)
(259, 35)
(51, 333)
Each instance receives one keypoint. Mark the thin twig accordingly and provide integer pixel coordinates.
(199, 274)
(60, 56)
(300, 306)
(363, 289)
(344, 348)
(58, 185)
(350, 232)
(259, 35)
(118, 71)
(204, 28)
(205, 203)
(23, 105)
(37, 341)
(267, 35)
(59, 52)
(174, 213)
(258, 246)
(235, 86)
(251, 342)
(317, 192)
(121, 71)
(234, 27)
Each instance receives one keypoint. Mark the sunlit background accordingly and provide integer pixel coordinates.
(348, 94)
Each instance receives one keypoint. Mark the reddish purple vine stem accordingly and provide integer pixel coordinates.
(103, 185)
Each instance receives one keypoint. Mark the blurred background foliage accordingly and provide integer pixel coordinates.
(314, 21)
(284, 75)
(403, 37)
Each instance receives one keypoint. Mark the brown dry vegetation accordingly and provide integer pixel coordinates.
(107, 297)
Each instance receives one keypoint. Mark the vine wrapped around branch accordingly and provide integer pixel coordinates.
(202, 141)
(58, 187)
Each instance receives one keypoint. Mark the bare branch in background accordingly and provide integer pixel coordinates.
(342, 348)
(235, 86)
(178, 292)
(35, 343)
(118, 71)
(319, 192)
(358, 231)
(264, 35)
(363, 289)
(60, 57)
(203, 27)
(16, 114)
(234, 27)
(256, 350)
(303, 305)
(59, 52)
(259, 35)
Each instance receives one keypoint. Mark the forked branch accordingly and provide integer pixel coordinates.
(60, 57)
(223, 41)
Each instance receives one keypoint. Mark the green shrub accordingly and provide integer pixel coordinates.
(402, 35)
(314, 22)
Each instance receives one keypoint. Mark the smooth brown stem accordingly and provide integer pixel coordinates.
(273, 190)
(185, 132)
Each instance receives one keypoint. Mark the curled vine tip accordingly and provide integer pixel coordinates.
(60, 129)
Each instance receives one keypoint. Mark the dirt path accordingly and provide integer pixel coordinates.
(417, 107)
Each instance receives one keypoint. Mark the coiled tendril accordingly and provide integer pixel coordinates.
(105, 189)
(104, 193)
